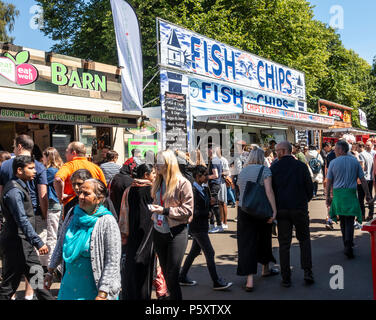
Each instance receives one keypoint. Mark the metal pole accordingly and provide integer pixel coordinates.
(151, 80)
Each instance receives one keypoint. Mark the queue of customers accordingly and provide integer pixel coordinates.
(76, 220)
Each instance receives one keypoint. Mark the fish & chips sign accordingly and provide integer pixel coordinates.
(193, 53)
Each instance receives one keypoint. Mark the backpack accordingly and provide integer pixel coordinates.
(315, 165)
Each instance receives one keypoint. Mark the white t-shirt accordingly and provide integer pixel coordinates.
(225, 166)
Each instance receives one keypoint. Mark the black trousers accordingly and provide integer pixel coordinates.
(20, 258)
(170, 248)
(254, 239)
(214, 190)
(347, 229)
(201, 241)
(237, 190)
(361, 197)
(286, 220)
(315, 187)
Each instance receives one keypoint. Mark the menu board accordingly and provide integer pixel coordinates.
(176, 121)
(302, 137)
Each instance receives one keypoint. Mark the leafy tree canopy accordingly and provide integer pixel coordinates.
(8, 13)
(284, 31)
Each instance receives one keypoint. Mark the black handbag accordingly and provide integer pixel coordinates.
(255, 202)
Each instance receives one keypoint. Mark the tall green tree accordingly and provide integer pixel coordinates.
(284, 31)
(8, 13)
(369, 103)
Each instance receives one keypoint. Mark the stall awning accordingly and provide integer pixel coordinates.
(32, 106)
(272, 117)
(355, 131)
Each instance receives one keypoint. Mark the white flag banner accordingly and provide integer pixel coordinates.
(362, 118)
(128, 42)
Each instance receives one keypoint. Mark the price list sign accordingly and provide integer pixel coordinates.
(302, 137)
(176, 121)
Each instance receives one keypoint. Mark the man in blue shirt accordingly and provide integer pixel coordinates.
(19, 238)
(23, 145)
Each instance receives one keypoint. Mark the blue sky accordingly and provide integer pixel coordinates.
(358, 33)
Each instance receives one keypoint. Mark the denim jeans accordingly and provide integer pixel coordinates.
(230, 195)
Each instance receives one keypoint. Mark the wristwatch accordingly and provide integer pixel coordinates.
(102, 294)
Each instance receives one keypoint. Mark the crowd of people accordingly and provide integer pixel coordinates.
(109, 232)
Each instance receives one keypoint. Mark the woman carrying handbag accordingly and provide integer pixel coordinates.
(254, 226)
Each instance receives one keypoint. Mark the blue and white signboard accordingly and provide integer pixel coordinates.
(216, 97)
(192, 53)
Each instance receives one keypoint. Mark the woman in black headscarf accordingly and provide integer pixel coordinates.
(136, 229)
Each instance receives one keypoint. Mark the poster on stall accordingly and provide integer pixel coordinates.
(143, 144)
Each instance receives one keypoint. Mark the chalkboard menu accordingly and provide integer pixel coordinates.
(302, 137)
(176, 121)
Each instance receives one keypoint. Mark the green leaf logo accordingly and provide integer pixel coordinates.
(9, 56)
(22, 57)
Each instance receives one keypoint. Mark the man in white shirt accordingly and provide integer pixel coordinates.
(223, 192)
(369, 148)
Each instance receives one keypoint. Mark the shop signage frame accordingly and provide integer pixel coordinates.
(7, 114)
(338, 112)
(192, 53)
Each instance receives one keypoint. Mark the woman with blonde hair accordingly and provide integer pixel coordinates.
(53, 162)
(255, 236)
(172, 210)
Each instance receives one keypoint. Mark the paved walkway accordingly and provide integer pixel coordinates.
(327, 251)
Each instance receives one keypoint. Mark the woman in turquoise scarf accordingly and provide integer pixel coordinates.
(90, 248)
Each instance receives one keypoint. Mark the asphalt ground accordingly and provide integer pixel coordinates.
(327, 251)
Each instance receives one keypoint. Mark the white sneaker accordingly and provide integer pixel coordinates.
(224, 226)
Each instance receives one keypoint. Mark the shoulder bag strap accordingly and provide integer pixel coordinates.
(260, 175)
